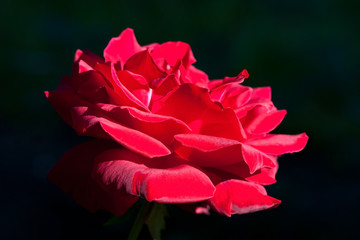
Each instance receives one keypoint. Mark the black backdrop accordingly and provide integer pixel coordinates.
(307, 51)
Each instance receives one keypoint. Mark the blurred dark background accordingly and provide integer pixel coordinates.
(307, 51)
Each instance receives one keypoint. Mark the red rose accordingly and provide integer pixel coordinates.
(166, 133)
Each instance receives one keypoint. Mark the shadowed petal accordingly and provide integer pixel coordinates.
(61, 101)
(73, 175)
(277, 144)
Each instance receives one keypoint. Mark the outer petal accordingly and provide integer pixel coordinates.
(73, 175)
(121, 48)
(277, 144)
(85, 60)
(239, 197)
(92, 86)
(258, 121)
(210, 151)
(256, 159)
(165, 180)
(263, 176)
(61, 101)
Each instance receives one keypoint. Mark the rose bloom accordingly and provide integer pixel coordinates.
(165, 133)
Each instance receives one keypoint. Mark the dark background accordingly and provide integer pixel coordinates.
(307, 51)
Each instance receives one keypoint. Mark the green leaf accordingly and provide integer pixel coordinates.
(156, 220)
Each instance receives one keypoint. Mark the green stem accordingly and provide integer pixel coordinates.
(140, 220)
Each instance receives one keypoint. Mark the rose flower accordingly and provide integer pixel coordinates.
(165, 133)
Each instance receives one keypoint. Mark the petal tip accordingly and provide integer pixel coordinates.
(303, 140)
(276, 202)
(244, 73)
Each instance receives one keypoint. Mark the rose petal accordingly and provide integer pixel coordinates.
(263, 176)
(87, 119)
(85, 61)
(240, 197)
(121, 48)
(73, 175)
(193, 106)
(238, 79)
(135, 140)
(172, 51)
(277, 144)
(256, 159)
(259, 97)
(207, 151)
(198, 77)
(232, 95)
(129, 138)
(213, 84)
(262, 93)
(61, 101)
(163, 86)
(143, 64)
(91, 86)
(191, 75)
(136, 84)
(258, 122)
(94, 87)
(160, 127)
(125, 93)
(164, 180)
(251, 104)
